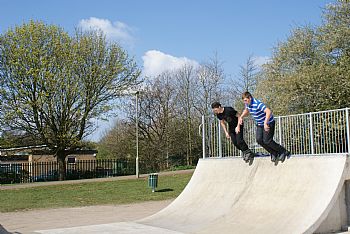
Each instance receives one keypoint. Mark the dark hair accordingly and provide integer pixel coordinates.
(246, 95)
(215, 105)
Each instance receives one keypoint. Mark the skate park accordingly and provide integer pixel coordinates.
(308, 193)
(92, 91)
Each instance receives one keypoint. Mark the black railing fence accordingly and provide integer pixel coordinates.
(86, 169)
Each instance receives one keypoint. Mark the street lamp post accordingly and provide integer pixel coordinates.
(137, 135)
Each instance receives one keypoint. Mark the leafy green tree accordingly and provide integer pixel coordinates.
(284, 76)
(53, 85)
(310, 71)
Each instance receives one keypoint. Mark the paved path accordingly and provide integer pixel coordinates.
(30, 221)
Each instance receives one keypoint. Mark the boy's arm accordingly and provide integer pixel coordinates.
(244, 114)
(268, 113)
(223, 125)
(238, 129)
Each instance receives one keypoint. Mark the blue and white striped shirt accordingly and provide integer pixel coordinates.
(256, 109)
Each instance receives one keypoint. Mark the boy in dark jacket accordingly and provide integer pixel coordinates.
(235, 129)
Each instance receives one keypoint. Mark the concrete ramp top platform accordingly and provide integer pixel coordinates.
(227, 195)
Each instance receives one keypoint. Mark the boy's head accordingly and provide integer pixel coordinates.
(247, 98)
(216, 107)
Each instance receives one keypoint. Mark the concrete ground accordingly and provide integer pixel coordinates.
(30, 221)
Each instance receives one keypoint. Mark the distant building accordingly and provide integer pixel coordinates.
(36, 163)
(32, 154)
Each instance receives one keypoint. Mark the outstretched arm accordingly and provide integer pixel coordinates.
(223, 125)
(244, 114)
(240, 122)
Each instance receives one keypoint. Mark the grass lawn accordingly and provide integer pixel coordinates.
(87, 194)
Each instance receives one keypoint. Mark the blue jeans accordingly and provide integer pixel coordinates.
(265, 139)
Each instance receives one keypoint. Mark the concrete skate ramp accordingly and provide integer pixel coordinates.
(301, 195)
(230, 196)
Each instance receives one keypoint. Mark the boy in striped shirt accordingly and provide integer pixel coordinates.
(265, 127)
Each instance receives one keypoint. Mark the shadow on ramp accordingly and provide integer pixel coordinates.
(4, 231)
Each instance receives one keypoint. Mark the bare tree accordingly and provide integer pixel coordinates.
(246, 81)
(185, 85)
(210, 76)
(247, 76)
(155, 120)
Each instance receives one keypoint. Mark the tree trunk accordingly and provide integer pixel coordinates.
(189, 127)
(61, 156)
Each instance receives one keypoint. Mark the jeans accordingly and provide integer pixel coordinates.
(238, 141)
(265, 139)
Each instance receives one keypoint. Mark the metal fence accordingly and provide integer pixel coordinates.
(325, 132)
(48, 171)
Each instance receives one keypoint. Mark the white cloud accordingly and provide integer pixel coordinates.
(155, 62)
(118, 31)
(261, 60)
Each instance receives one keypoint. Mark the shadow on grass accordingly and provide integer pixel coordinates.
(164, 190)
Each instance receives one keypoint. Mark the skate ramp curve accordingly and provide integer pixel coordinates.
(230, 196)
(226, 195)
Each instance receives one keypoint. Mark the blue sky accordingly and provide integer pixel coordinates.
(161, 34)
